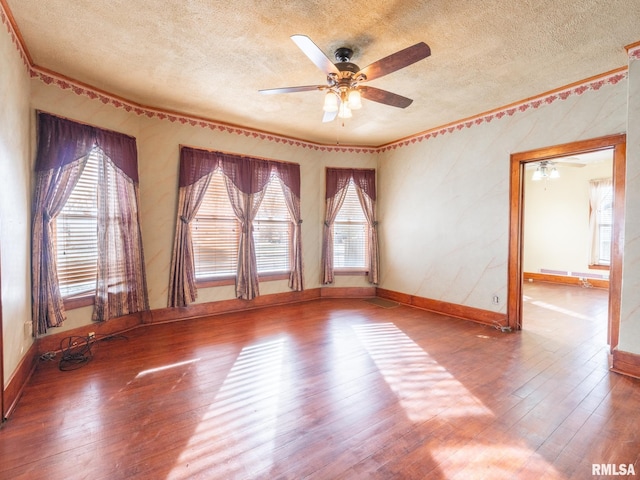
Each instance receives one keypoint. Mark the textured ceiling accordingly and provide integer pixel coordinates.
(210, 58)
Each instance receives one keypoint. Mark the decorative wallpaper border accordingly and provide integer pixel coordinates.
(536, 102)
(64, 83)
(15, 38)
(60, 81)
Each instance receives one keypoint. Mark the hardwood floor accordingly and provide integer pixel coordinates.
(336, 389)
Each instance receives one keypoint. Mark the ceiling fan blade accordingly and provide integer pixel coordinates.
(329, 117)
(396, 61)
(314, 53)
(570, 164)
(382, 96)
(305, 88)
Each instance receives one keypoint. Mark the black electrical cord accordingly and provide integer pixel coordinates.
(76, 350)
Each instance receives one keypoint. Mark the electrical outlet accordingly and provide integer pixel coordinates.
(496, 299)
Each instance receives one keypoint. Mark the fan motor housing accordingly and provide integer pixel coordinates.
(347, 67)
(343, 55)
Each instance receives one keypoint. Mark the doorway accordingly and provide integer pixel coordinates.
(616, 144)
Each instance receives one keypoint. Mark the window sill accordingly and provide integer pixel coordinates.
(215, 282)
(78, 302)
(353, 271)
(224, 281)
(599, 267)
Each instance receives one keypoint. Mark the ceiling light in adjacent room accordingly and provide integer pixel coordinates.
(545, 170)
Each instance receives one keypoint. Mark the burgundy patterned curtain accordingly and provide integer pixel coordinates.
(246, 179)
(63, 147)
(245, 206)
(53, 188)
(121, 286)
(337, 181)
(289, 173)
(182, 283)
(368, 205)
(196, 168)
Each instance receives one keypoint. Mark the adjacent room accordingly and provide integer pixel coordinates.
(319, 239)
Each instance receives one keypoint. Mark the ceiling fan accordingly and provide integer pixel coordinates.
(344, 79)
(548, 169)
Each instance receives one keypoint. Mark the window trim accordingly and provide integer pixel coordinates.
(84, 300)
(599, 266)
(603, 266)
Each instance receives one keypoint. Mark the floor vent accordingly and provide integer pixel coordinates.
(381, 302)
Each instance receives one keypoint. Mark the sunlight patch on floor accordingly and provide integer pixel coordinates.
(240, 424)
(165, 367)
(499, 462)
(425, 388)
(555, 308)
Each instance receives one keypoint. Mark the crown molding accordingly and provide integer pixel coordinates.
(633, 50)
(49, 77)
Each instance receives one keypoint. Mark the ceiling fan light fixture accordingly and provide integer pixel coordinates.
(330, 102)
(554, 173)
(344, 78)
(354, 99)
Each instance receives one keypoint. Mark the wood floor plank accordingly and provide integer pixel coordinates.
(336, 389)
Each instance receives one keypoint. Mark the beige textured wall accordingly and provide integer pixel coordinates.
(158, 156)
(630, 309)
(444, 202)
(158, 147)
(15, 203)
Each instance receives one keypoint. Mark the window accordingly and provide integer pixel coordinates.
(272, 230)
(350, 249)
(604, 219)
(77, 234)
(600, 222)
(215, 232)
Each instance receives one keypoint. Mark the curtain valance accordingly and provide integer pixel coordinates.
(338, 179)
(249, 175)
(62, 141)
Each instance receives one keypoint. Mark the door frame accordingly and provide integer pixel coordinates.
(617, 143)
(2, 412)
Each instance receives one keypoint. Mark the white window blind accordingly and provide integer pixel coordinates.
(350, 244)
(77, 235)
(272, 230)
(215, 233)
